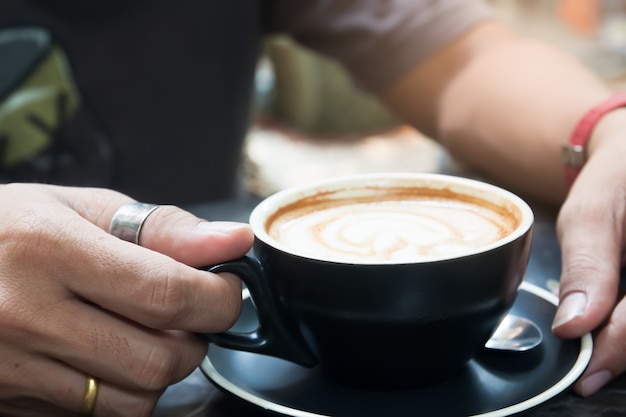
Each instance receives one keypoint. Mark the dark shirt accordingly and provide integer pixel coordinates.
(153, 97)
(165, 92)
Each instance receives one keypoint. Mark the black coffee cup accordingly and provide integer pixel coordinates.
(409, 312)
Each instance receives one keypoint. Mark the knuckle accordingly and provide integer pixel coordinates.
(177, 299)
(122, 404)
(165, 217)
(28, 238)
(159, 369)
(167, 298)
(583, 270)
(582, 264)
(574, 210)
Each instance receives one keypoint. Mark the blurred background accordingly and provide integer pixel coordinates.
(311, 122)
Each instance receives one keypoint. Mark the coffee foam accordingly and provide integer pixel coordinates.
(399, 227)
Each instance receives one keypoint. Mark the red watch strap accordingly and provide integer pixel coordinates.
(574, 150)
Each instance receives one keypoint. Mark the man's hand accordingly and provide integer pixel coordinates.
(76, 301)
(591, 229)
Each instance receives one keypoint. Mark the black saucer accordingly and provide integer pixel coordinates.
(492, 385)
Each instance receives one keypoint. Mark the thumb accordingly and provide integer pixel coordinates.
(192, 240)
(168, 229)
(590, 244)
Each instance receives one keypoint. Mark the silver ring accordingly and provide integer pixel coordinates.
(127, 221)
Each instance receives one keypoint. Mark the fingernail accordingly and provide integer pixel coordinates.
(591, 384)
(226, 228)
(572, 306)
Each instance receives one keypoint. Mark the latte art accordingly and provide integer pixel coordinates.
(406, 230)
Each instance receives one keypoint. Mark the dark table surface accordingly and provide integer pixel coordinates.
(196, 396)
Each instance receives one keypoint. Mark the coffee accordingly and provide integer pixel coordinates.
(396, 225)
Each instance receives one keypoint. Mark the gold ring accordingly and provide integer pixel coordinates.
(91, 394)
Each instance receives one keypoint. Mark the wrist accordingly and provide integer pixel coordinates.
(611, 126)
(594, 126)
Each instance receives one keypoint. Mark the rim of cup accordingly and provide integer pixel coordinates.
(461, 185)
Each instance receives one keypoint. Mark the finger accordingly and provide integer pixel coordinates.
(115, 402)
(608, 357)
(77, 258)
(590, 229)
(169, 229)
(194, 241)
(141, 284)
(145, 359)
(153, 289)
(51, 388)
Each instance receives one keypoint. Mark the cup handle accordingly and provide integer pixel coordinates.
(271, 337)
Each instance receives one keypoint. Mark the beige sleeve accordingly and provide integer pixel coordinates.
(376, 40)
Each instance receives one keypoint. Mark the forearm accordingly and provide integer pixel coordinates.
(504, 107)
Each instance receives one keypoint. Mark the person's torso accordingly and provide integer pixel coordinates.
(154, 100)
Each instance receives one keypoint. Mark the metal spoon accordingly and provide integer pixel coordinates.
(516, 334)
